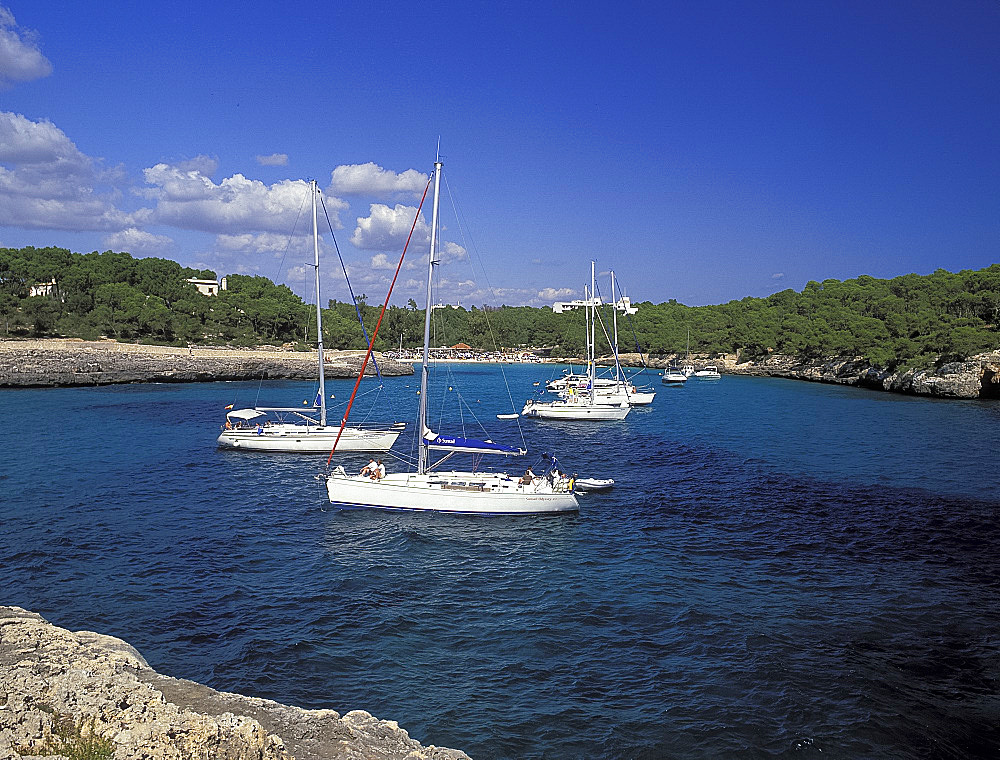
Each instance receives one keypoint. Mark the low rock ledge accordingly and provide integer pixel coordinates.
(53, 363)
(51, 676)
(977, 377)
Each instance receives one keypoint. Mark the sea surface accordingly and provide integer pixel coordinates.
(782, 569)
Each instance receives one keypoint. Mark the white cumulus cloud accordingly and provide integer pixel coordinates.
(381, 261)
(20, 58)
(47, 183)
(189, 199)
(448, 252)
(555, 294)
(275, 159)
(139, 241)
(265, 242)
(372, 179)
(385, 229)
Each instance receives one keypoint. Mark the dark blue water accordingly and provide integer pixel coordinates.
(783, 569)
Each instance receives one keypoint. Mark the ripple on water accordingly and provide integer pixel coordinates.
(750, 587)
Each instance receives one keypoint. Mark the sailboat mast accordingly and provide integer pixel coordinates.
(614, 319)
(593, 332)
(586, 330)
(319, 315)
(422, 421)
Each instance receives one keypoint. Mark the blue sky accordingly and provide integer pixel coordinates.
(705, 151)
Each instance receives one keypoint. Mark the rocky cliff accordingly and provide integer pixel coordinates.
(979, 377)
(67, 363)
(61, 691)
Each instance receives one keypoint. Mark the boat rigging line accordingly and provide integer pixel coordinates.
(378, 324)
(604, 329)
(486, 314)
(635, 336)
(354, 299)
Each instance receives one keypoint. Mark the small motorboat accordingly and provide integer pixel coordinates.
(593, 484)
(674, 376)
(508, 416)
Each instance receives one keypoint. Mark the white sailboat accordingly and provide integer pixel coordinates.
(304, 431)
(604, 387)
(635, 396)
(687, 369)
(591, 400)
(459, 492)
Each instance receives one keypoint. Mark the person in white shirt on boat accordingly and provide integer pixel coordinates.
(379, 472)
(369, 469)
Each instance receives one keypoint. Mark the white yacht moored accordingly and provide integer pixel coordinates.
(674, 376)
(456, 492)
(708, 372)
(257, 430)
(275, 429)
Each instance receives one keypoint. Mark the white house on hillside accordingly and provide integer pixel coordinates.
(43, 289)
(624, 305)
(208, 287)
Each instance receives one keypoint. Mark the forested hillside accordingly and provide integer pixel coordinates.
(115, 295)
(912, 319)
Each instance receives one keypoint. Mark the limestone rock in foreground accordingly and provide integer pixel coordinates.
(49, 674)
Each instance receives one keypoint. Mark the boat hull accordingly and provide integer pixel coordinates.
(312, 440)
(641, 398)
(453, 492)
(557, 410)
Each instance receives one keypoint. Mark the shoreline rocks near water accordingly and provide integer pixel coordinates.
(60, 363)
(979, 377)
(54, 363)
(59, 687)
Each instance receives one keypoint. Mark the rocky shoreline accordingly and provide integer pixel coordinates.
(54, 363)
(60, 689)
(979, 377)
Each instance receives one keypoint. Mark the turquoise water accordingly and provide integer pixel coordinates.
(783, 568)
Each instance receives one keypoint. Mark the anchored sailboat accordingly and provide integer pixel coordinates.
(590, 399)
(459, 492)
(272, 429)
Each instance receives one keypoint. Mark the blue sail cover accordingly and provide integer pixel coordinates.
(470, 446)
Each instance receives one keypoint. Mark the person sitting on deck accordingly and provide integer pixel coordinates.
(528, 477)
(379, 472)
(369, 469)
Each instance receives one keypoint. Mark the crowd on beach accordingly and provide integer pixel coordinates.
(463, 355)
